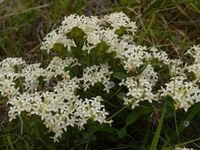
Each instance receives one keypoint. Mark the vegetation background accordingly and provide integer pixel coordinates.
(171, 25)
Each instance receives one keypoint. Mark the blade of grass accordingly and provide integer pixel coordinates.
(143, 34)
(9, 142)
(158, 130)
(146, 135)
(195, 7)
(5, 143)
(188, 142)
(24, 11)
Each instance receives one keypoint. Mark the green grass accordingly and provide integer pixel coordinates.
(171, 25)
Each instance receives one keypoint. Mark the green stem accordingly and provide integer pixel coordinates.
(117, 112)
(188, 142)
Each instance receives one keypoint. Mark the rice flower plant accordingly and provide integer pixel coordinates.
(92, 57)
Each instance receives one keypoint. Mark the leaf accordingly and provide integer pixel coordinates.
(124, 2)
(59, 49)
(142, 68)
(119, 75)
(158, 130)
(131, 118)
(122, 133)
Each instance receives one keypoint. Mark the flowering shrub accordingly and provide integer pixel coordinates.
(95, 54)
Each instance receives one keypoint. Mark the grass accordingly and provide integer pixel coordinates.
(171, 25)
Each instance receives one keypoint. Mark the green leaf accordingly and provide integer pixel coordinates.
(119, 75)
(131, 118)
(158, 130)
(60, 50)
(122, 133)
(142, 68)
(124, 2)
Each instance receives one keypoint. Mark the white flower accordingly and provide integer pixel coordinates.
(59, 108)
(87, 24)
(58, 103)
(94, 29)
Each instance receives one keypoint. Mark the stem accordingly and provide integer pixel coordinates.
(117, 112)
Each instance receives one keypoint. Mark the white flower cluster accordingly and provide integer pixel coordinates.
(61, 106)
(176, 67)
(95, 74)
(8, 74)
(132, 56)
(140, 90)
(160, 55)
(195, 67)
(51, 92)
(140, 87)
(183, 92)
(58, 66)
(31, 73)
(96, 31)
(8, 68)
(183, 148)
(149, 74)
(59, 109)
(195, 52)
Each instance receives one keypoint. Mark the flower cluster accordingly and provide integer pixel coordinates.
(195, 67)
(138, 90)
(140, 87)
(184, 148)
(97, 30)
(53, 92)
(183, 92)
(58, 107)
(95, 74)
